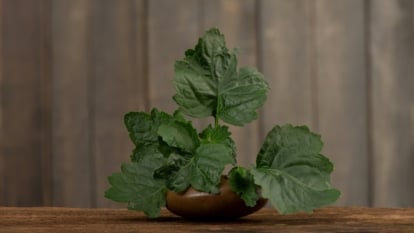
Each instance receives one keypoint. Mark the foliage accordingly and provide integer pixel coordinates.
(171, 155)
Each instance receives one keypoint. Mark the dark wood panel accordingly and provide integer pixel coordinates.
(73, 183)
(332, 220)
(341, 86)
(22, 58)
(173, 28)
(139, 39)
(46, 106)
(3, 188)
(287, 61)
(237, 21)
(117, 52)
(392, 56)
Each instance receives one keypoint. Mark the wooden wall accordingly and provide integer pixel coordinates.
(70, 69)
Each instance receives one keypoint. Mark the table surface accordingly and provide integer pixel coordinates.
(332, 219)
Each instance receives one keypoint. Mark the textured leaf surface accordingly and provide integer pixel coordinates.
(180, 135)
(143, 127)
(208, 84)
(203, 170)
(292, 172)
(218, 135)
(242, 183)
(136, 186)
(144, 151)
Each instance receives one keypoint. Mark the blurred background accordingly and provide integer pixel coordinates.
(70, 70)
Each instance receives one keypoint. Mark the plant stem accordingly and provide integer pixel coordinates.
(216, 121)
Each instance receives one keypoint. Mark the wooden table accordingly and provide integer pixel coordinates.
(333, 219)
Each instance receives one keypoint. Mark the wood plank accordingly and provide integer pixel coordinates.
(2, 169)
(267, 220)
(140, 44)
(392, 58)
(72, 180)
(3, 189)
(173, 28)
(23, 68)
(342, 95)
(286, 59)
(118, 75)
(46, 106)
(237, 21)
(1, 73)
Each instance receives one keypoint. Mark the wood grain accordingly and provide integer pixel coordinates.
(392, 56)
(3, 188)
(104, 220)
(23, 70)
(173, 28)
(71, 90)
(69, 70)
(237, 21)
(139, 42)
(46, 99)
(342, 94)
(116, 82)
(286, 59)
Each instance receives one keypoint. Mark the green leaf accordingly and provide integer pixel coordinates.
(292, 172)
(209, 163)
(178, 115)
(203, 170)
(140, 128)
(144, 151)
(288, 194)
(136, 186)
(180, 135)
(169, 170)
(241, 96)
(179, 177)
(218, 135)
(143, 130)
(143, 127)
(169, 154)
(242, 183)
(195, 164)
(208, 84)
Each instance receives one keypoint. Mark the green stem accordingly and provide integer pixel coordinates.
(216, 121)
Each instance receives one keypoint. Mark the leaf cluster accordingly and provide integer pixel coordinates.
(171, 155)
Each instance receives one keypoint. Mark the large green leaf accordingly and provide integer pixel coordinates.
(198, 162)
(240, 96)
(208, 165)
(203, 170)
(179, 134)
(143, 127)
(218, 135)
(140, 128)
(143, 151)
(241, 182)
(143, 130)
(292, 172)
(136, 186)
(208, 84)
(288, 194)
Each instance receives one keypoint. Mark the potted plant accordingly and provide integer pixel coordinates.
(173, 165)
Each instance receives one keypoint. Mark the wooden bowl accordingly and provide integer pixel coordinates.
(226, 205)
